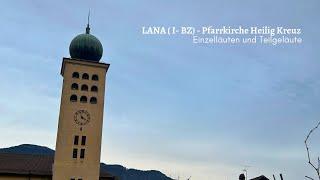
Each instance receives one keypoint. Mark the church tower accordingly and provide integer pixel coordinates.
(78, 145)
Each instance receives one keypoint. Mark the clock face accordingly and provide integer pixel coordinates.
(82, 117)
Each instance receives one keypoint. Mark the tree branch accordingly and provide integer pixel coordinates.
(308, 152)
(309, 177)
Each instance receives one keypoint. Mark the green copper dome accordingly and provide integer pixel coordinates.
(86, 47)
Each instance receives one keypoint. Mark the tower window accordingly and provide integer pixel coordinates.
(75, 75)
(95, 77)
(75, 153)
(73, 98)
(94, 89)
(93, 100)
(82, 153)
(85, 76)
(83, 99)
(76, 140)
(84, 88)
(83, 140)
(74, 86)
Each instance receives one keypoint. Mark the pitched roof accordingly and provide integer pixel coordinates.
(260, 178)
(31, 164)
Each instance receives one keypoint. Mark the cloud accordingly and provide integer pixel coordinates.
(170, 105)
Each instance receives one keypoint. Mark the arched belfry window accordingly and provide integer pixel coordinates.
(75, 75)
(85, 76)
(84, 87)
(94, 89)
(73, 98)
(95, 77)
(83, 99)
(93, 100)
(74, 86)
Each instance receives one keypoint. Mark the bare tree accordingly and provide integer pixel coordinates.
(315, 167)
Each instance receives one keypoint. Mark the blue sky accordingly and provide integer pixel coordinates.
(185, 109)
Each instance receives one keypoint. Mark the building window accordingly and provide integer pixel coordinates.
(94, 89)
(75, 153)
(82, 153)
(76, 140)
(95, 77)
(84, 88)
(74, 86)
(83, 99)
(93, 100)
(83, 140)
(85, 76)
(75, 75)
(73, 98)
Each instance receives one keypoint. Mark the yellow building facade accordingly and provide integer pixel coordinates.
(78, 143)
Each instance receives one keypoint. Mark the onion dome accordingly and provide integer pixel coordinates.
(86, 47)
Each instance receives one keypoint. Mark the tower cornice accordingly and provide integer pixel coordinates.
(83, 62)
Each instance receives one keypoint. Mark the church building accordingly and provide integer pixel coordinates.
(79, 134)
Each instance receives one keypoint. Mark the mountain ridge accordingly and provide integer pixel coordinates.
(117, 170)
